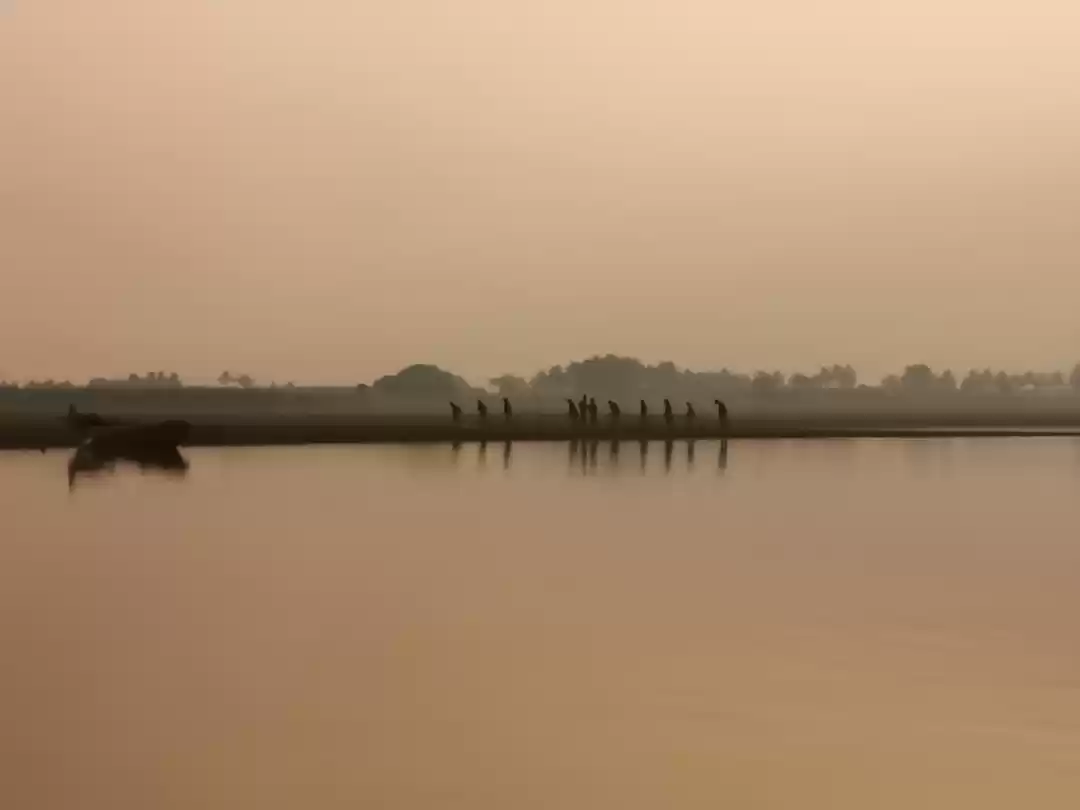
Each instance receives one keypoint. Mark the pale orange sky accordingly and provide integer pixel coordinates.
(330, 189)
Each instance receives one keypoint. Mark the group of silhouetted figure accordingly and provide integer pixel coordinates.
(586, 410)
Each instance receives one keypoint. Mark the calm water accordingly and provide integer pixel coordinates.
(797, 625)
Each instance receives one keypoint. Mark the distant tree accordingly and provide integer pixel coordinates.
(765, 382)
(245, 381)
(225, 378)
(422, 382)
(512, 387)
(919, 377)
(845, 377)
(976, 381)
(801, 382)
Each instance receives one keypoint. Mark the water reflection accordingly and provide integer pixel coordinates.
(669, 450)
(722, 461)
(89, 459)
(690, 454)
(643, 450)
(508, 450)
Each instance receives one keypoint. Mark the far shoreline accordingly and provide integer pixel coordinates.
(42, 433)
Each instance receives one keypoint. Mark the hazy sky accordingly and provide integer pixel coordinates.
(330, 189)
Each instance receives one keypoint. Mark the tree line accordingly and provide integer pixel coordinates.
(626, 378)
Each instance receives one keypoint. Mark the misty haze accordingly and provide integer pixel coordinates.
(594, 404)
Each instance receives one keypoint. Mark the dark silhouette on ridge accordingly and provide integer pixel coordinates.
(644, 410)
(669, 415)
(691, 414)
(481, 408)
(84, 421)
(455, 411)
(508, 410)
(594, 412)
(721, 410)
(572, 411)
(583, 407)
(613, 406)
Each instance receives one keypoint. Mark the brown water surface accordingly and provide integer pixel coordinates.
(849, 624)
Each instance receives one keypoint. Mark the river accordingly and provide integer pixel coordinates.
(844, 624)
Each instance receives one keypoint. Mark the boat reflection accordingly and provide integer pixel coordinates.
(151, 447)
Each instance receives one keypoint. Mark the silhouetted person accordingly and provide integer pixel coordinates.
(508, 410)
(644, 410)
(572, 411)
(669, 415)
(583, 406)
(721, 410)
(613, 406)
(455, 411)
(594, 412)
(481, 408)
(691, 414)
